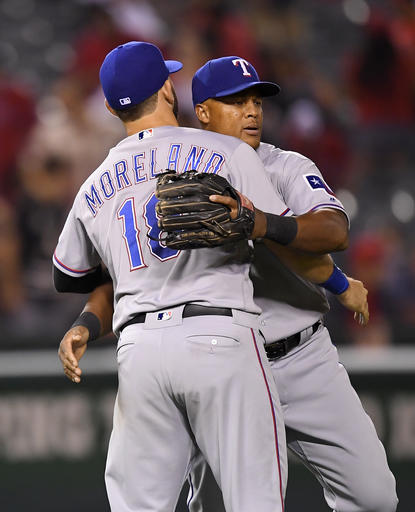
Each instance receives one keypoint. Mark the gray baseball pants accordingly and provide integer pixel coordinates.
(327, 427)
(188, 385)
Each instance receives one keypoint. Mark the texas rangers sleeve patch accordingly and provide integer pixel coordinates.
(316, 182)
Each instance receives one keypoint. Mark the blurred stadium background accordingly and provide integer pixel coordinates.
(347, 72)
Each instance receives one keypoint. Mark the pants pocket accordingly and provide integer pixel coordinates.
(213, 340)
(123, 349)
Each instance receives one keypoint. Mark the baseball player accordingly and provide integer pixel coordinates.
(326, 425)
(192, 369)
(339, 444)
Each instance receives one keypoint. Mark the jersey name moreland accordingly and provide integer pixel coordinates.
(145, 165)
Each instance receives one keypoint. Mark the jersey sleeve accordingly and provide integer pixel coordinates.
(75, 255)
(303, 187)
(247, 174)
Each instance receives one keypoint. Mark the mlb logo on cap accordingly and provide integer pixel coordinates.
(225, 76)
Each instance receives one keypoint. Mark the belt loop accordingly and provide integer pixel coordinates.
(286, 346)
(306, 334)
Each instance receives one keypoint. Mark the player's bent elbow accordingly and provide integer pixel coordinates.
(336, 242)
(334, 226)
(343, 241)
(338, 238)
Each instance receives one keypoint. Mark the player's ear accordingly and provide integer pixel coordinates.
(167, 91)
(202, 113)
(110, 108)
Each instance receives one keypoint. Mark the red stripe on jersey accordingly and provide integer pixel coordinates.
(71, 269)
(273, 417)
(328, 205)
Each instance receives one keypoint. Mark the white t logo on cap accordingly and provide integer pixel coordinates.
(243, 63)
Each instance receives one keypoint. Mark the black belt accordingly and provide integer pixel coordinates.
(189, 310)
(280, 348)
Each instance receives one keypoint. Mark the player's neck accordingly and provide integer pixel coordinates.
(154, 120)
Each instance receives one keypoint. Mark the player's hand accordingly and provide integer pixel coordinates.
(228, 201)
(355, 299)
(71, 349)
(260, 219)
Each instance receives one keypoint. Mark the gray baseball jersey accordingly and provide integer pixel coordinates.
(114, 212)
(290, 303)
(338, 444)
(184, 382)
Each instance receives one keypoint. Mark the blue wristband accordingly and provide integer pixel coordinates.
(337, 283)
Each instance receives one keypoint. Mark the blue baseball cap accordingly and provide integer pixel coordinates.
(225, 76)
(134, 71)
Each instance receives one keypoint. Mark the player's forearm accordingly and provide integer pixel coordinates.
(318, 232)
(100, 303)
(316, 268)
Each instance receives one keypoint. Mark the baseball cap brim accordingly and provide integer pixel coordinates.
(173, 65)
(265, 89)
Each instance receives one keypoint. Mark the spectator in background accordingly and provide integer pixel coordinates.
(382, 87)
(28, 303)
(41, 211)
(68, 131)
(17, 115)
(67, 142)
(380, 80)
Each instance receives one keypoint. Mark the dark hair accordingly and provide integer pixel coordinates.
(139, 110)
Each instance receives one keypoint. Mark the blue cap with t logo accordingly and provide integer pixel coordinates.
(225, 76)
(134, 71)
